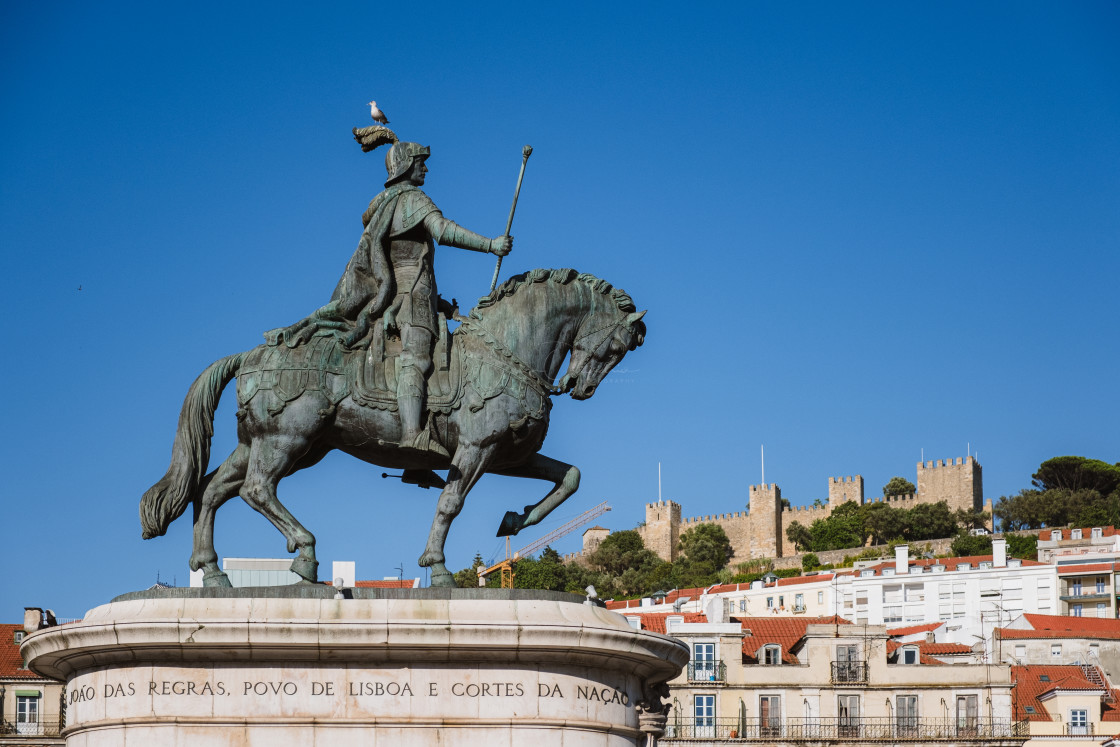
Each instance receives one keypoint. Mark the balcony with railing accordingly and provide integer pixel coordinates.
(707, 671)
(850, 672)
(885, 729)
(47, 725)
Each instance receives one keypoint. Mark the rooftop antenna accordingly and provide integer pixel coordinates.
(400, 568)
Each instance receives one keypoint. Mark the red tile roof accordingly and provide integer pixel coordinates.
(804, 579)
(944, 649)
(11, 663)
(390, 583)
(1064, 626)
(784, 631)
(1088, 568)
(912, 629)
(1085, 532)
(949, 563)
(1028, 687)
(923, 657)
(655, 621)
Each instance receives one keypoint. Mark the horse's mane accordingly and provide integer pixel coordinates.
(562, 276)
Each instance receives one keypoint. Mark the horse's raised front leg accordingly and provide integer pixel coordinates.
(270, 458)
(467, 466)
(564, 477)
(224, 483)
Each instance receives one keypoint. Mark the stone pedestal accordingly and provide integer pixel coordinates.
(210, 667)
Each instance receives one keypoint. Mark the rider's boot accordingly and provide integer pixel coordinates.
(410, 402)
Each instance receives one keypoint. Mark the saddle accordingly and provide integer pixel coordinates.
(320, 362)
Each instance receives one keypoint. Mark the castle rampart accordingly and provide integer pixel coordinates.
(760, 532)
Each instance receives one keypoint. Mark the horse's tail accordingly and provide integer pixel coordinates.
(168, 499)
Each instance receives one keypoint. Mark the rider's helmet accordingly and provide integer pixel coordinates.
(398, 161)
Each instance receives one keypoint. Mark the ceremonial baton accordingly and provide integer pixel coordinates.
(525, 153)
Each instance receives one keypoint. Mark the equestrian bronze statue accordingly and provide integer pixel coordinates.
(377, 374)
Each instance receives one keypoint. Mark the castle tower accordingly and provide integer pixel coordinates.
(844, 489)
(662, 529)
(593, 537)
(958, 482)
(765, 521)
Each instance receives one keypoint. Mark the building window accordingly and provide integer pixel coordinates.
(703, 661)
(1020, 651)
(769, 603)
(704, 712)
(772, 656)
(1075, 534)
(799, 603)
(820, 597)
(1101, 584)
(1078, 721)
(19, 637)
(781, 603)
(966, 714)
(1055, 650)
(1075, 588)
(1102, 609)
(769, 715)
(909, 655)
(906, 714)
(742, 605)
(1075, 610)
(1095, 532)
(848, 711)
(27, 714)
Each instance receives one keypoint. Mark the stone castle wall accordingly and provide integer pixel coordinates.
(760, 532)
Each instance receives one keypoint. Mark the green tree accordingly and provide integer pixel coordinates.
(971, 518)
(704, 551)
(468, 577)
(898, 486)
(1076, 473)
(623, 563)
(547, 572)
(930, 521)
(1023, 546)
(966, 544)
(883, 522)
(844, 528)
(799, 535)
(810, 561)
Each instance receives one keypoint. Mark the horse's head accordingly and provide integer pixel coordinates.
(600, 343)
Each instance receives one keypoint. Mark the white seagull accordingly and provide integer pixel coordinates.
(377, 114)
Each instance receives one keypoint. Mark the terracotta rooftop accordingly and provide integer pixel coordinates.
(1086, 532)
(923, 655)
(389, 583)
(805, 579)
(1064, 570)
(784, 631)
(11, 664)
(912, 629)
(1032, 682)
(655, 621)
(950, 564)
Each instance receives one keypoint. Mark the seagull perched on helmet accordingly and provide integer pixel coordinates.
(377, 114)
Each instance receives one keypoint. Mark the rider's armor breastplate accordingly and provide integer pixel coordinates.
(410, 256)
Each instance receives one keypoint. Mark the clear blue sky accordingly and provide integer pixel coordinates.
(861, 230)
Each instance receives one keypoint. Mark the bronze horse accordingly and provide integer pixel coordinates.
(511, 347)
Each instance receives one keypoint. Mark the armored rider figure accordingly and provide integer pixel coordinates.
(391, 276)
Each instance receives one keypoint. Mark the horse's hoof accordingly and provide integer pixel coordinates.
(443, 579)
(216, 579)
(511, 525)
(306, 569)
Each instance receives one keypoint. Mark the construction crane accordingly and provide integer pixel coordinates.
(506, 566)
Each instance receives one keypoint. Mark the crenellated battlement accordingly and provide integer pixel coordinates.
(759, 531)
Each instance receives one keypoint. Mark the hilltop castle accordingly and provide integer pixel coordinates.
(760, 532)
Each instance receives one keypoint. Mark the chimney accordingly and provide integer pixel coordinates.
(346, 570)
(715, 609)
(999, 553)
(901, 560)
(32, 619)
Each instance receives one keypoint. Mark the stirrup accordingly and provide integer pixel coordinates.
(423, 478)
(423, 443)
